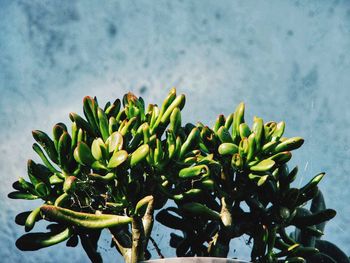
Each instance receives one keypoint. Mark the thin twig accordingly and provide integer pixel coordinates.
(156, 247)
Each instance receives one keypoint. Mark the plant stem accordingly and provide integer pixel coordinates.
(121, 245)
(138, 236)
(147, 221)
(219, 246)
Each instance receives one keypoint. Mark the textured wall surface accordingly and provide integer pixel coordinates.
(288, 60)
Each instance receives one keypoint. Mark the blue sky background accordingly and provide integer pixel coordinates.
(287, 60)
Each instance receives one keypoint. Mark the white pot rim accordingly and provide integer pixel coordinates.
(196, 260)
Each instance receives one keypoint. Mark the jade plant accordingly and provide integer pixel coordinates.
(121, 164)
(108, 173)
(251, 193)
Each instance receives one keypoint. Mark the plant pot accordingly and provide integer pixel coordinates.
(196, 260)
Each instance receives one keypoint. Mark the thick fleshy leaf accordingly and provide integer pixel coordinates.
(238, 118)
(43, 157)
(82, 154)
(64, 150)
(309, 220)
(115, 142)
(42, 190)
(139, 155)
(201, 210)
(48, 145)
(263, 166)
(83, 219)
(258, 129)
(194, 171)
(224, 135)
(31, 219)
(175, 120)
(190, 142)
(289, 144)
(244, 130)
(81, 123)
(97, 149)
(57, 131)
(117, 159)
(20, 195)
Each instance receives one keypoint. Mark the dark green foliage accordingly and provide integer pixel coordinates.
(117, 162)
(124, 161)
(248, 168)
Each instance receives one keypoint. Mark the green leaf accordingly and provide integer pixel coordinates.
(54, 179)
(42, 190)
(84, 219)
(188, 194)
(194, 171)
(24, 186)
(43, 157)
(138, 155)
(57, 131)
(219, 122)
(190, 142)
(289, 144)
(167, 102)
(113, 110)
(259, 179)
(97, 149)
(104, 178)
(262, 180)
(83, 124)
(244, 130)
(237, 161)
(178, 102)
(90, 112)
(82, 154)
(103, 124)
(277, 134)
(258, 129)
(31, 219)
(281, 157)
(251, 147)
(64, 150)
(313, 183)
(115, 142)
(238, 118)
(124, 130)
(263, 166)
(175, 120)
(224, 135)
(20, 195)
(314, 219)
(200, 210)
(48, 145)
(117, 159)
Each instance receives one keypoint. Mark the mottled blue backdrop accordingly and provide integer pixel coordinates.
(288, 60)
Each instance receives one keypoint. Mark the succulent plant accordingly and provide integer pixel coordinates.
(110, 172)
(250, 193)
(124, 161)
